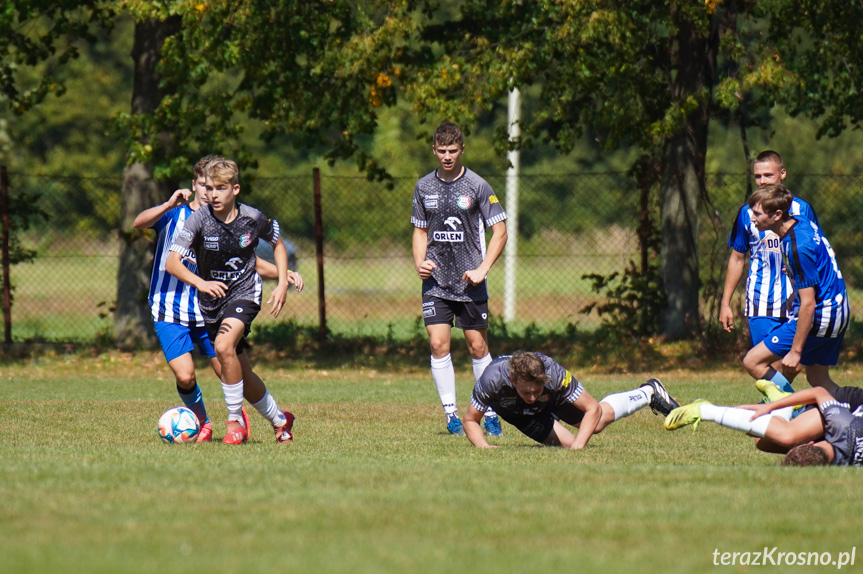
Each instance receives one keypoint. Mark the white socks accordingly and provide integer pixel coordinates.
(628, 402)
(234, 400)
(479, 366)
(738, 419)
(443, 376)
(270, 410)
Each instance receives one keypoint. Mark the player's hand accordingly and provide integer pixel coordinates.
(726, 318)
(790, 361)
(425, 269)
(296, 280)
(473, 277)
(760, 410)
(215, 289)
(180, 197)
(277, 299)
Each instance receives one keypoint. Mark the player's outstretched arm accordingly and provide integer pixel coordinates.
(148, 217)
(473, 428)
(814, 395)
(592, 414)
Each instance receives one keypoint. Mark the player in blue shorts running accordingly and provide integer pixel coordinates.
(820, 313)
(767, 287)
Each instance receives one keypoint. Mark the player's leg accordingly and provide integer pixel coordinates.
(260, 398)
(177, 346)
(559, 436)
(819, 376)
(760, 358)
(620, 405)
(472, 318)
(438, 317)
(759, 329)
(228, 335)
(729, 417)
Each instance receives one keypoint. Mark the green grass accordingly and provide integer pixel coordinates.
(374, 484)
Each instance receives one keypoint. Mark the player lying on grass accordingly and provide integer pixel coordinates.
(534, 393)
(831, 434)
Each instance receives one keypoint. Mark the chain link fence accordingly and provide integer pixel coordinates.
(569, 225)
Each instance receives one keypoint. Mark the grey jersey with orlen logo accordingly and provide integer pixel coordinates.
(226, 252)
(456, 215)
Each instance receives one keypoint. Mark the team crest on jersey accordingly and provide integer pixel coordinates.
(245, 240)
(463, 202)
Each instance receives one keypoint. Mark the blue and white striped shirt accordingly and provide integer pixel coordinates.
(767, 287)
(812, 263)
(170, 299)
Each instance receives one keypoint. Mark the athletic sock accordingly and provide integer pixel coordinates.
(479, 366)
(739, 419)
(443, 376)
(234, 400)
(776, 377)
(627, 403)
(270, 410)
(194, 400)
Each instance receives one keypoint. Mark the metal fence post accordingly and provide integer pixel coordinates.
(7, 290)
(319, 252)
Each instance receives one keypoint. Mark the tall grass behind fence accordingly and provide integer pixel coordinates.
(569, 225)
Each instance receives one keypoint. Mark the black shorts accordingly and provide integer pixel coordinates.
(539, 427)
(245, 311)
(469, 315)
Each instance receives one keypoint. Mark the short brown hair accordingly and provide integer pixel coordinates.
(805, 455)
(527, 367)
(201, 167)
(772, 197)
(769, 155)
(222, 170)
(448, 134)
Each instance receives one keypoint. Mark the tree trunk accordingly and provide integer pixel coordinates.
(132, 323)
(695, 52)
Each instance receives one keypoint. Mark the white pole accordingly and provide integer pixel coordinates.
(511, 250)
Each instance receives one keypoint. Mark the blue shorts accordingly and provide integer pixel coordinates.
(177, 340)
(816, 350)
(760, 327)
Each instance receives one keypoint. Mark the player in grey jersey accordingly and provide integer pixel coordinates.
(223, 236)
(837, 435)
(534, 393)
(452, 206)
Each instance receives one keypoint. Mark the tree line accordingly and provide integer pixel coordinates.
(642, 76)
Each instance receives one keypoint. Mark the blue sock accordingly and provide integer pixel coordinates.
(780, 381)
(195, 401)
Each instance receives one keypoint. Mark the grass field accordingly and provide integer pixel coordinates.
(373, 483)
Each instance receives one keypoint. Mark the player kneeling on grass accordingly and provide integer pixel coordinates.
(533, 392)
(841, 431)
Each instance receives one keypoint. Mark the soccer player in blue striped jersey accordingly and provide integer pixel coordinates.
(820, 313)
(768, 288)
(174, 305)
(452, 207)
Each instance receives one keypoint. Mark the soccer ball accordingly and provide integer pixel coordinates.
(178, 424)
